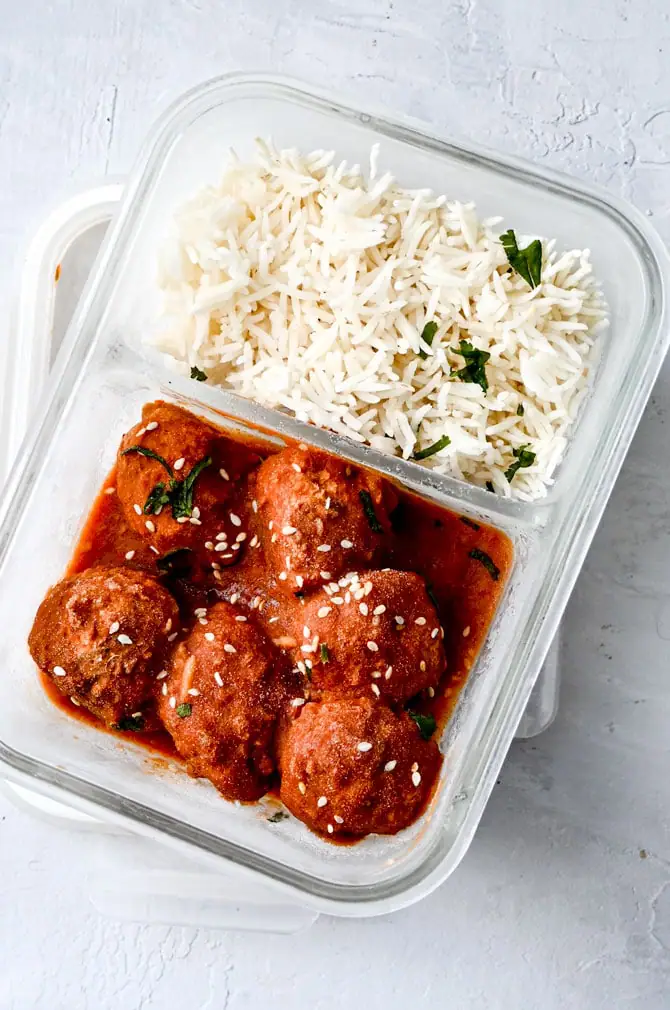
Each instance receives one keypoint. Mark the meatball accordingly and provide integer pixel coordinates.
(101, 636)
(191, 496)
(352, 766)
(320, 516)
(373, 633)
(221, 700)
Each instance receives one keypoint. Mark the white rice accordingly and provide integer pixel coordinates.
(301, 284)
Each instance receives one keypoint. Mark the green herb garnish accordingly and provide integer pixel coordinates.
(279, 816)
(490, 487)
(198, 374)
(430, 450)
(485, 560)
(527, 262)
(469, 522)
(184, 710)
(370, 514)
(428, 335)
(175, 561)
(426, 724)
(523, 458)
(520, 410)
(130, 723)
(150, 454)
(431, 596)
(325, 655)
(475, 361)
(178, 494)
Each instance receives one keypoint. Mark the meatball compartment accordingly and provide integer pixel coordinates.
(351, 766)
(375, 633)
(221, 700)
(320, 516)
(99, 636)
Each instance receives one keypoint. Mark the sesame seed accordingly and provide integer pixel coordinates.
(59, 671)
(416, 778)
(226, 556)
(389, 671)
(254, 541)
(235, 520)
(224, 473)
(173, 702)
(74, 701)
(172, 637)
(193, 691)
(330, 828)
(142, 431)
(364, 746)
(223, 546)
(222, 536)
(254, 505)
(297, 702)
(137, 509)
(114, 627)
(283, 576)
(196, 512)
(368, 588)
(324, 548)
(209, 635)
(337, 600)
(203, 620)
(271, 524)
(124, 640)
(322, 800)
(272, 620)
(347, 597)
(130, 555)
(323, 611)
(399, 620)
(152, 425)
(376, 674)
(182, 519)
(415, 767)
(200, 611)
(194, 521)
(373, 647)
(164, 689)
(379, 610)
(305, 648)
(178, 463)
(420, 621)
(241, 618)
(154, 549)
(363, 607)
(359, 594)
(327, 503)
(288, 531)
(273, 538)
(338, 819)
(431, 692)
(375, 690)
(240, 538)
(302, 787)
(229, 648)
(299, 581)
(390, 765)
(234, 598)
(435, 632)
(162, 675)
(422, 666)
(301, 666)
(254, 603)
(346, 544)
(209, 545)
(466, 631)
(296, 467)
(218, 678)
(216, 566)
(110, 490)
(150, 526)
(325, 576)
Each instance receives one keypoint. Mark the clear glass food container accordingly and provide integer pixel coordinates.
(103, 376)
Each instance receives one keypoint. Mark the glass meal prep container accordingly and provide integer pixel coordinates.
(103, 376)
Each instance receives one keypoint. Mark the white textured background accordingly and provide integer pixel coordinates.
(564, 898)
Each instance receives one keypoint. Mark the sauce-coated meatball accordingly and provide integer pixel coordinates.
(320, 514)
(377, 633)
(101, 637)
(221, 701)
(352, 766)
(210, 523)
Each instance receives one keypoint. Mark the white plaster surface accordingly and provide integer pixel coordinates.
(564, 898)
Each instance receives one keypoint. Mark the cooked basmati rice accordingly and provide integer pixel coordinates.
(300, 284)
